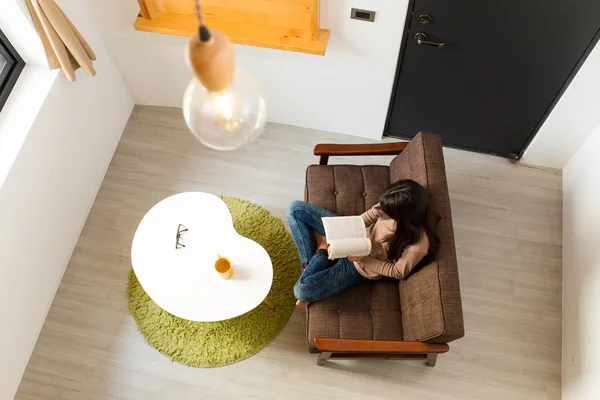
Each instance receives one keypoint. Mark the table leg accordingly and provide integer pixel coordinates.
(269, 303)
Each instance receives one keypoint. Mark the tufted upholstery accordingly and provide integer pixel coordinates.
(424, 307)
(346, 189)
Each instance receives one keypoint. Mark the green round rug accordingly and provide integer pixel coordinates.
(214, 344)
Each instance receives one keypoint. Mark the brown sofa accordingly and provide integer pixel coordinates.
(413, 318)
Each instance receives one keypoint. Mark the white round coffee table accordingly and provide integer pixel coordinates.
(173, 254)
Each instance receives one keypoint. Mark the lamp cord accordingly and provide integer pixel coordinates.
(202, 29)
(198, 12)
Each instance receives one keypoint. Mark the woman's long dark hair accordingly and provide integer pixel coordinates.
(408, 204)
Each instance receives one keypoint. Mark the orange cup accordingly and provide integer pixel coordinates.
(223, 267)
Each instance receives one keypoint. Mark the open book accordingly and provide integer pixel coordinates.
(346, 236)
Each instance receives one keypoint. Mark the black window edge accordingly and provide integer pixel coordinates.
(12, 74)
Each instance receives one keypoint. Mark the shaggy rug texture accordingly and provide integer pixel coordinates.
(214, 344)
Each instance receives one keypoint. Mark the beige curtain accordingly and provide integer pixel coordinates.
(64, 46)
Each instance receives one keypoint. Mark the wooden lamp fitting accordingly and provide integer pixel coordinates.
(210, 56)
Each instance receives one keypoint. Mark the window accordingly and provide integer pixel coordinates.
(11, 66)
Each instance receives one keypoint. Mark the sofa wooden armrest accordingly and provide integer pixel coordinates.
(370, 149)
(356, 348)
(335, 345)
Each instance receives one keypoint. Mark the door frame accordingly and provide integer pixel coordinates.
(563, 88)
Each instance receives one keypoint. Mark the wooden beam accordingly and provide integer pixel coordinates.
(334, 345)
(147, 8)
(238, 32)
(291, 25)
(315, 18)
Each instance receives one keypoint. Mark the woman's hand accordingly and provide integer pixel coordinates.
(354, 259)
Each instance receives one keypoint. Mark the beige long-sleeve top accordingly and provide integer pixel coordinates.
(375, 265)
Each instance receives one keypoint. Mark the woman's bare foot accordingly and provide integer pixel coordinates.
(321, 241)
(302, 303)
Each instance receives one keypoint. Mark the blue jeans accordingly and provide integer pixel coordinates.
(321, 278)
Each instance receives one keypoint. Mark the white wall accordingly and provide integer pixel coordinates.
(572, 120)
(47, 193)
(347, 90)
(581, 273)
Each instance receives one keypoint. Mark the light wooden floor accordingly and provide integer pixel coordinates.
(508, 233)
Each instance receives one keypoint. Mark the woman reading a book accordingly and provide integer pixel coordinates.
(401, 231)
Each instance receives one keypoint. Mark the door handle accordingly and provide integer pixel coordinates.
(421, 38)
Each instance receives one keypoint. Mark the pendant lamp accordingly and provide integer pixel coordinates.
(222, 105)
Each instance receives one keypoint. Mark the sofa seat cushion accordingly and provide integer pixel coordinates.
(370, 311)
(346, 189)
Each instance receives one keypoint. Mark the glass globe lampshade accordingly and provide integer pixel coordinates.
(226, 119)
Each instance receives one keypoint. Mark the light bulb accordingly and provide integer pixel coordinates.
(227, 119)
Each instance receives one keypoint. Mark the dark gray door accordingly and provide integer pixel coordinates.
(502, 67)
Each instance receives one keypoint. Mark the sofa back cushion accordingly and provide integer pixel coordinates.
(346, 189)
(430, 298)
